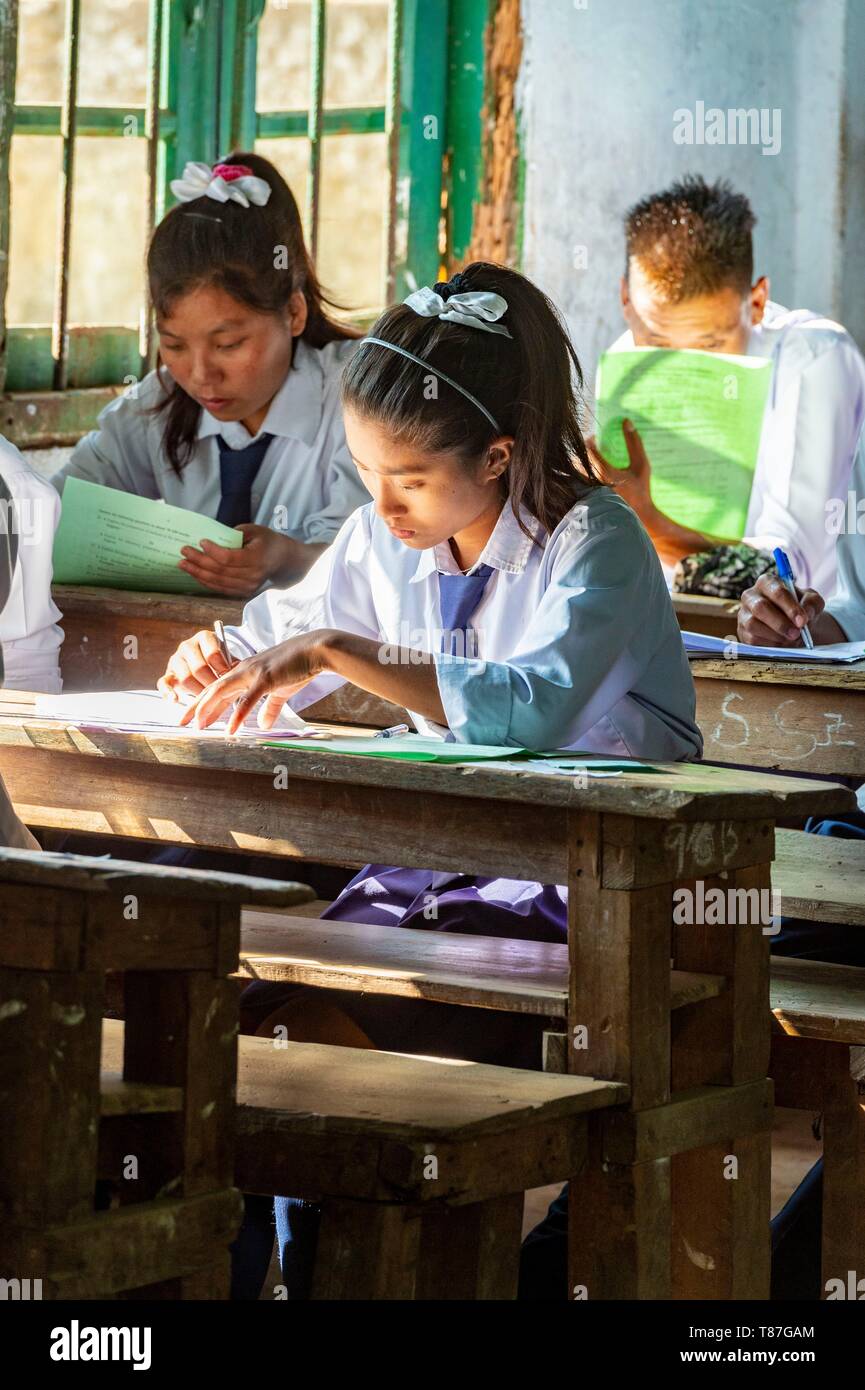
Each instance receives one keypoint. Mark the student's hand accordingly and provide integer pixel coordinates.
(769, 615)
(196, 664)
(265, 554)
(633, 482)
(271, 675)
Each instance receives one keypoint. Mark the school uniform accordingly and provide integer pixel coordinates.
(30, 638)
(295, 475)
(566, 640)
(812, 420)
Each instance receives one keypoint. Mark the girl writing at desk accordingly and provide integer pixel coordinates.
(241, 421)
(495, 589)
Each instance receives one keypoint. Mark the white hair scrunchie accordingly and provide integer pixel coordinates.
(473, 309)
(224, 183)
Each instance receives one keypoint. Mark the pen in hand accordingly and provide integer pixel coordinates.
(785, 574)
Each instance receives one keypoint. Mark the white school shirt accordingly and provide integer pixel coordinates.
(577, 642)
(29, 634)
(306, 486)
(847, 605)
(814, 413)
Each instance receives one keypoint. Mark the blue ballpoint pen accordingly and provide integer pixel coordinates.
(785, 574)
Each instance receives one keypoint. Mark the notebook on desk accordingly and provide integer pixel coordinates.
(838, 653)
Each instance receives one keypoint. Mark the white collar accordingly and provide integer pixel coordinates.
(294, 412)
(507, 549)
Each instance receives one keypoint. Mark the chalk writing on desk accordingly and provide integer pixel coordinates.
(834, 723)
(702, 844)
(727, 713)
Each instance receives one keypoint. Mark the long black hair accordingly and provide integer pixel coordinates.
(529, 383)
(236, 250)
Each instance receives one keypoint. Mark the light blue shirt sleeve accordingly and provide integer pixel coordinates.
(847, 606)
(604, 617)
(345, 493)
(119, 453)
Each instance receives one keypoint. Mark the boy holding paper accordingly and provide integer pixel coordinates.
(689, 283)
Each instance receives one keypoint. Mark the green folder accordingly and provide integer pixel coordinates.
(416, 748)
(119, 541)
(699, 415)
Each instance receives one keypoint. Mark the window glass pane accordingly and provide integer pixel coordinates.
(282, 82)
(291, 158)
(35, 174)
(108, 231)
(352, 210)
(112, 53)
(355, 69)
(39, 81)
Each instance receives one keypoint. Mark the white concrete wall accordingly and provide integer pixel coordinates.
(600, 83)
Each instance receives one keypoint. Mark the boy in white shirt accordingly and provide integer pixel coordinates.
(689, 283)
(29, 636)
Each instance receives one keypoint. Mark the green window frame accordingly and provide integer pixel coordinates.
(200, 102)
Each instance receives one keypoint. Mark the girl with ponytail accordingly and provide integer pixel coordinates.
(494, 588)
(241, 420)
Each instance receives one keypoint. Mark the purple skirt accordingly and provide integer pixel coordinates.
(384, 896)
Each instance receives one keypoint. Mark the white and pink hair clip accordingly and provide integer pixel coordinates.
(235, 183)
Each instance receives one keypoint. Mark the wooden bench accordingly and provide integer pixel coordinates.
(822, 1006)
(167, 1117)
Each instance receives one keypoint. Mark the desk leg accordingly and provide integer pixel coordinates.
(618, 1029)
(721, 1193)
(844, 1167)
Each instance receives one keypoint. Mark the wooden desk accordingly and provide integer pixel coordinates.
(786, 716)
(621, 845)
(716, 617)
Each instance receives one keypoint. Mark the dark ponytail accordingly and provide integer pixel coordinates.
(233, 248)
(528, 383)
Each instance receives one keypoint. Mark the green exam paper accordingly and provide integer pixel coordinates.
(699, 415)
(119, 541)
(415, 748)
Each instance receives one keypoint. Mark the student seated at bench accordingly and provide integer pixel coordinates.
(689, 283)
(30, 638)
(496, 589)
(241, 420)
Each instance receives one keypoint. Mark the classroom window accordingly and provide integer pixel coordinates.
(111, 97)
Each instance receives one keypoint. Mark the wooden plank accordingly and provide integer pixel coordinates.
(619, 945)
(676, 791)
(691, 1120)
(118, 877)
(50, 1027)
(366, 1251)
(813, 999)
(641, 853)
(619, 1229)
(783, 716)
(119, 1097)
(843, 1170)
(725, 1041)
(721, 1196)
(471, 1253)
(703, 613)
(476, 971)
(820, 877)
(134, 1246)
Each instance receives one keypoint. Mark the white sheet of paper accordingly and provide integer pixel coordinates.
(143, 711)
(699, 644)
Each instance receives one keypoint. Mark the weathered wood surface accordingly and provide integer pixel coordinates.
(675, 791)
(814, 999)
(820, 877)
(475, 971)
(783, 715)
(716, 617)
(82, 873)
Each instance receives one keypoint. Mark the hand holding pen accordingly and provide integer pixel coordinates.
(773, 613)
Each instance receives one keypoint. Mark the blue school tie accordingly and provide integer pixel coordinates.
(459, 595)
(237, 471)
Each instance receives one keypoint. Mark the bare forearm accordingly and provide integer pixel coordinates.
(673, 542)
(400, 674)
